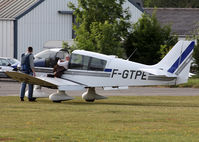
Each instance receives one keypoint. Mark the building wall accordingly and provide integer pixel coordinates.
(134, 11)
(42, 24)
(6, 38)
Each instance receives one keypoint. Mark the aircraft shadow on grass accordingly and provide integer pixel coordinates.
(152, 104)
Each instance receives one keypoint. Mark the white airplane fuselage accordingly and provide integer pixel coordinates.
(118, 72)
(98, 70)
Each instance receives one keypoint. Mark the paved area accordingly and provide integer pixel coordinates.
(11, 88)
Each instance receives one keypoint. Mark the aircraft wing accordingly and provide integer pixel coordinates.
(158, 72)
(54, 83)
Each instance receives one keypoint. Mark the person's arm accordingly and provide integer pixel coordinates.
(59, 62)
(63, 64)
(33, 70)
(31, 59)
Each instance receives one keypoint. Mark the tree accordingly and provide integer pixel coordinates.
(196, 51)
(65, 45)
(150, 39)
(196, 57)
(100, 25)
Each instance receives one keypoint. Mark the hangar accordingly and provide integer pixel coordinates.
(26, 23)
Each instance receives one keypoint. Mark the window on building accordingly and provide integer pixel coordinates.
(138, 4)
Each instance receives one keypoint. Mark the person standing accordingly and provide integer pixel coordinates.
(27, 67)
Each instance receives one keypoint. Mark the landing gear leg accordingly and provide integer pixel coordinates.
(60, 96)
(90, 95)
(38, 93)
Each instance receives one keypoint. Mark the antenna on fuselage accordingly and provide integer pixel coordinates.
(131, 54)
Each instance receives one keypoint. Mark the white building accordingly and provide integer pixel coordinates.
(26, 23)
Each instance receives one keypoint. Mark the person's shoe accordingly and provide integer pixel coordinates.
(32, 100)
(22, 99)
(50, 75)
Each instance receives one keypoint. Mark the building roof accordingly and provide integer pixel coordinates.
(138, 4)
(10, 9)
(184, 21)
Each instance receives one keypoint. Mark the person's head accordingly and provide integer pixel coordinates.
(30, 49)
(67, 58)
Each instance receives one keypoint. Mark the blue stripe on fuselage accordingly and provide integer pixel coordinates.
(177, 63)
(108, 70)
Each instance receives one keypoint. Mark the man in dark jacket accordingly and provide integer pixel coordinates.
(27, 67)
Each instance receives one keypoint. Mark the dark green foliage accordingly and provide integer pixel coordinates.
(101, 25)
(65, 45)
(195, 65)
(150, 39)
(196, 57)
(172, 3)
(168, 44)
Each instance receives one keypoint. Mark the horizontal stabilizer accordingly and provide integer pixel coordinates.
(158, 72)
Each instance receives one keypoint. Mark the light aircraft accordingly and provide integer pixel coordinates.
(88, 70)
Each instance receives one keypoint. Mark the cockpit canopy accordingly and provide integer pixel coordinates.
(49, 57)
(87, 60)
(52, 53)
(83, 62)
(79, 59)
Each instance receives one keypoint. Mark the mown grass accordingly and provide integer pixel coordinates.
(117, 119)
(192, 82)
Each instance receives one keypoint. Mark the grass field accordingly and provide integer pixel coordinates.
(117, 119)
(192, 82)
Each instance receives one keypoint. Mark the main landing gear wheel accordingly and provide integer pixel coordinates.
(90, 95)
(90, 100)
(56, 101)
(59, 97)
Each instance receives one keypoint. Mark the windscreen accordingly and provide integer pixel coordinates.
(46, 54)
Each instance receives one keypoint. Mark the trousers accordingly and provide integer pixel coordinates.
(23, 88)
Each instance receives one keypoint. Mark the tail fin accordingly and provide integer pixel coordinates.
(178, 60)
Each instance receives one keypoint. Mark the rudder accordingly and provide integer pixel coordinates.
(178, 60)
